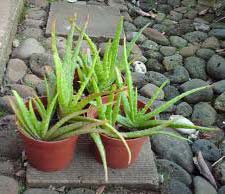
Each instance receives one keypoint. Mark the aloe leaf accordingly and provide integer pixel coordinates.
(129, 83)
(154, 97)
(84, 84)
(109, 108)
(69, 41)
(98, 142)
(20, 118)
(33, 118)
(66, 129)
(63, 121)
(125, 121)
(77, 133)
(145, 132)
(119, 136)
(116, 110)
(115, 43)
(40, 107)
(171, 102)
(50, 112)
(134, 40)
(25, 113)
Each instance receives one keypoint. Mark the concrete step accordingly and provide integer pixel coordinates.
(9, 14)
(86, 172)
(102, 24)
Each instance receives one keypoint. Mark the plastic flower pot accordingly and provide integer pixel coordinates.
(116, 153)
(49, 156)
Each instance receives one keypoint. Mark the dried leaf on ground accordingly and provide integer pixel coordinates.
(204, 169)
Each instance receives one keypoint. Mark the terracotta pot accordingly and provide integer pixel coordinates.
(116, 153)
(49, 156)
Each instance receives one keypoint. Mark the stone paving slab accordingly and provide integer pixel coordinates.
(9, 13)
(102, 19)
(86, 172)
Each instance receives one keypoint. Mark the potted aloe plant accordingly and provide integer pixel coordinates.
(44, 123)
(49, 126)
(104, 70)
(70, 101)
(133, 119)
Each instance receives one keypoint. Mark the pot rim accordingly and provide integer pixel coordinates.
(93, 109)
(42, 141)
(38, 140)
(127, 140)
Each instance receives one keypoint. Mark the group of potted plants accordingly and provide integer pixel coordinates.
(105, 106)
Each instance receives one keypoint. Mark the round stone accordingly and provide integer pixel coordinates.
(156, 78)
(138, 79)
(16, 70)
(216, 67)
(27, 48)
(211, 43)
(141, 21)
(196, 36)
(32, 80)
(171, 170)
(184, 109)
(174, 3)
(38, 62)
(149, 90)
(173, 149)
(173, 61)
(32, 33)
(220, 102)
(196, 67)
(5, 103)
(175, 187)
(150, 45)
(218, 33)
(167, 50)
(203, 95)
(203, 114)
(131, 35)
(129, 27)
(154, 65)
(188, 51)
(205, 53)
(178, 42)
(156, 36)
(201, 186)
(219, 87)
(209, 150)
(153, 55)
(36, 14)
(176, 16)
(170, 92)
(219, 172)
(178, 75)
(23, 91)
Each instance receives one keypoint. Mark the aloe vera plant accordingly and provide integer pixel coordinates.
(105, 69)
(69, 101)
(140, 119)
(34, 119)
